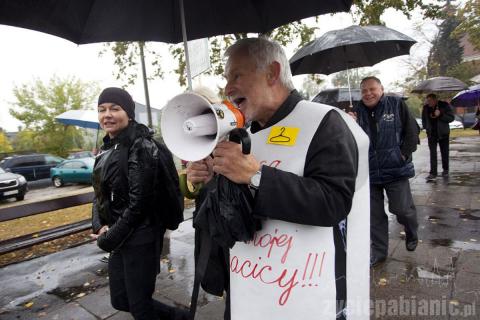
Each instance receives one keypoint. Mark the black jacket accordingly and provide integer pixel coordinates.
(124, 207)
(321, 197)
(393, 133)
(437, 127)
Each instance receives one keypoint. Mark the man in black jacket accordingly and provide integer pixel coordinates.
(436, 115)
(393, 138)
(316, 192)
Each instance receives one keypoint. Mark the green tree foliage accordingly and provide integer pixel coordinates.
(465, 70)
(126, 59)
(446, 51)
(443, 47)
(370, 12)
(469, 17)
(296, 33)
(26, 141)
(311, 86)
(340, 79)
(38, 103)
(415, 104)
(5, 145)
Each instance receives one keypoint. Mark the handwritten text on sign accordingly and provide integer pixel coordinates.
(283, 266)
(283, 278)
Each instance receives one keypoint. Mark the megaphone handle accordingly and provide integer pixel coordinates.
(240, 135)
(186, 190)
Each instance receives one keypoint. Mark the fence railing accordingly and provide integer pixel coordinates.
(30, 209)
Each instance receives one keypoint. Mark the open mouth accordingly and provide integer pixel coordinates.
(238, 101)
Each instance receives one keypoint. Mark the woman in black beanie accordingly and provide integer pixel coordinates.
(122, 221)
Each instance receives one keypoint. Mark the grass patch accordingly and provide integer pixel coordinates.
(31, 224)
(44, 248)
(463, 133)
(455, 133)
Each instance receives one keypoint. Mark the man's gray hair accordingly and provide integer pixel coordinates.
(264, 52)
(371, 78)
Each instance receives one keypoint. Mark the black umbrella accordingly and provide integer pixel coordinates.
(338, 97)
(226, 213)
(171, 21)
(439, 84)
(89, 21)
(348, 48)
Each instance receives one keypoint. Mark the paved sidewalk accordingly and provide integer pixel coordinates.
(443, 272)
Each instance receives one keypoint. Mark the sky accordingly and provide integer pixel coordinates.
(28, 55)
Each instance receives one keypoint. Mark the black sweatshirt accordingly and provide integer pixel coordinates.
(323, 196)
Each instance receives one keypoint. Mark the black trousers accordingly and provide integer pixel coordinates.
(444, 150)
(400, 203)
(132, 274)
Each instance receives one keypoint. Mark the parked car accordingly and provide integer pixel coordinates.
(467, 119)
(75, 170)
(456, 124)
(81, 154)
(31, 166)
(12, 185)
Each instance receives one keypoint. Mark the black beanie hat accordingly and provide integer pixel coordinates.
(119, 97)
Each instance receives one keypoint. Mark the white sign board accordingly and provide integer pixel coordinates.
(198, 55)
(281, 271)
(288, 270)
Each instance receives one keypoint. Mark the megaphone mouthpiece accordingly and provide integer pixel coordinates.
(191, 126)
(202, 125)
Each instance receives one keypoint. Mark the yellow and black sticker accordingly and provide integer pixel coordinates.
(285, 136)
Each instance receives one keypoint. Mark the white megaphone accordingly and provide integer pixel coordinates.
(192, 126)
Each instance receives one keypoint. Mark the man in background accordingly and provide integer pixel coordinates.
(393, 138)
(436, 115)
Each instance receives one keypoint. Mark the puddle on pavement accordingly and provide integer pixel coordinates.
(177, 253)
(470, 214)
(71, 293)
(464, 245)
(435, 274)
(434, 218)
(103, 272)
(464, 179)
(428, 276)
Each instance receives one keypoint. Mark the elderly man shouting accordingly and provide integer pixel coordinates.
(303, 172)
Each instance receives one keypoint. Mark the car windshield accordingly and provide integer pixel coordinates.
(2, 171)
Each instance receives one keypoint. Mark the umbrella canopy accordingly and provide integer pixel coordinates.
(439, 84)
(89, 21)
(351, 47)
(171, 21)
(476, 79)
(338, 97)
(79, 118)
(467, 98)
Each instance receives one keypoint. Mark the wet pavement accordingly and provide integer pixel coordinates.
(43, 189)
(440, 280)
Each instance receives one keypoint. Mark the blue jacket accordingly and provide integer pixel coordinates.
(393, 133)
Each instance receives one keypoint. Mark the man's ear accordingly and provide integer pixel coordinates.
(273, 73)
